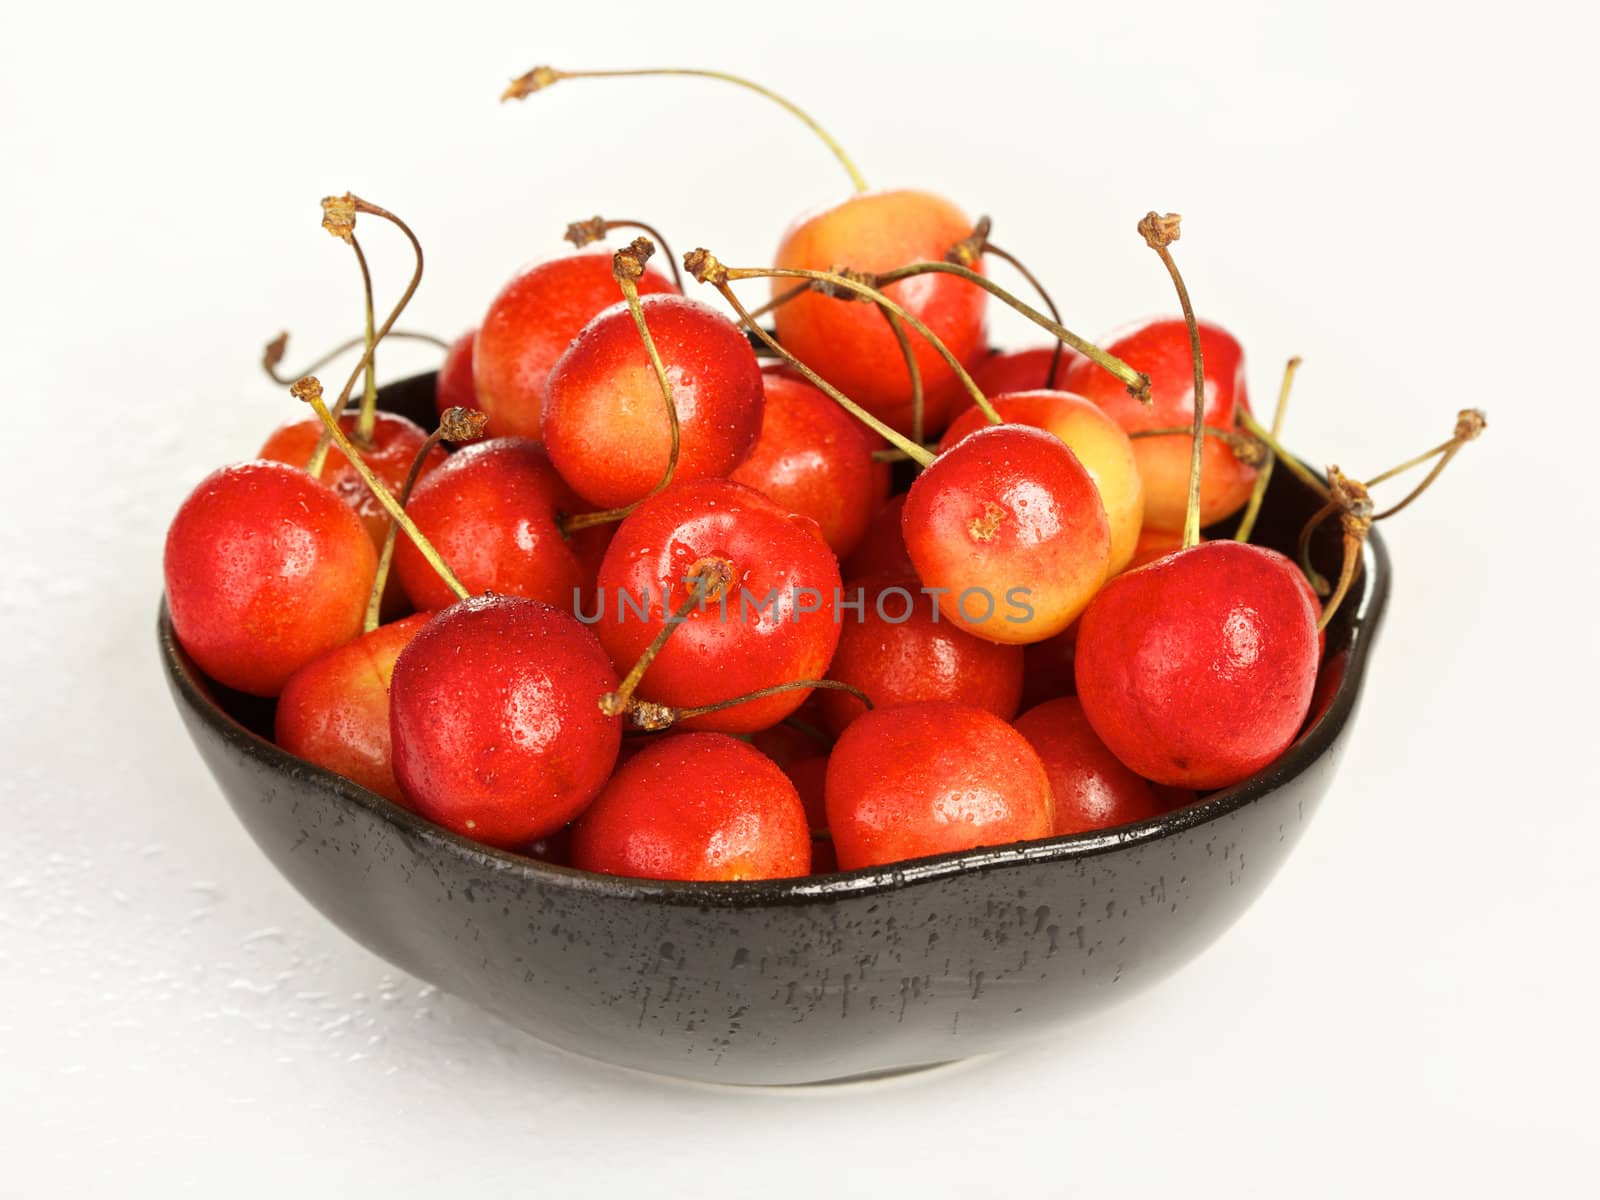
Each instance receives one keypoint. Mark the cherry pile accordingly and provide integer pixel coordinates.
(648, 604)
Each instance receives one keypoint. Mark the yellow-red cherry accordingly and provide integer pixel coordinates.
(1091, 787)
(265, 570)
(932, 778)
(701, 806)
(605, 420)
(848, 342)
(529, 326)
(897, 647)
(1159, 347)
(389, 452)
(767, 581)
(493, 512)
(1094, 438)
(495, 719)
(815, 459)
(334, 711)
(1009, 526)
(1197, 669)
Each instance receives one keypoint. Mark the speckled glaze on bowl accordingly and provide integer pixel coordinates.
(792, 981)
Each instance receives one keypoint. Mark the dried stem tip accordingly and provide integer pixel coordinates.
(462, 424)
(274, 351)
(339, 215)
(581, 233)
(1351, 497)
(969, 250)
(1470, 422)
(628, 263)
(307, 389)
(703, 265)
(535, 80)
(650, 716)
(1160, 231)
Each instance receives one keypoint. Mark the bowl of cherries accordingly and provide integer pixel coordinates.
(787, 689)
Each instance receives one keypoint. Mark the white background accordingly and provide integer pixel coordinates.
(1404, 195)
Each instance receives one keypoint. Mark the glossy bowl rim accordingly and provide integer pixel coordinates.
(1368, 599)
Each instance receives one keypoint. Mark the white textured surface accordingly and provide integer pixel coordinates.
(1396, 193)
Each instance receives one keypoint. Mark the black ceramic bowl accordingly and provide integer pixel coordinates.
(788, 981)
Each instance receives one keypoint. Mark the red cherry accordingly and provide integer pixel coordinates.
(786, 743)
(394, 444)
(1197, 669)
(1047, 667)
(1011, 526)
(931, 778)
(810, 779)
(1096, 441)
(695, 806)
(1092, 789)
(496, 721)
(606, 423)
(266, 569)
(898, 650)
(849, 343)
(882, 548)
(454, 387)
(334, 711)
(1160, 348)
(815, 459)
(716, 529)
(1329, 676)
(493, 513)
(1004, 372)
(530, 325)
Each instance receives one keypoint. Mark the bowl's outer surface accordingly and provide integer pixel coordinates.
(786, 981)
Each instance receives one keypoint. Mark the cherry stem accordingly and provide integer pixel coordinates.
(272, 354)
(1355, 535)
(1350, 499)
(854, 284)
(969, 250)
(716, 576)
(1442, 448)
(542, 77)
(1470, 424)
(369, 396)
(1258, 493)
(1160, 232)
(1318, 581)
(339, 219)
(683, 714)
(1055, 313)
(781, 299)
(627, 266)
(703, 265)
(582, 233)
(894, 456)
(810, 730)
(912, 370)
(1296, 468)
(1245, 448)
(455, 425)
(1137, 383)
(309, 389)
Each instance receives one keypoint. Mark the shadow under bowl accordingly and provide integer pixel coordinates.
(790, 981)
